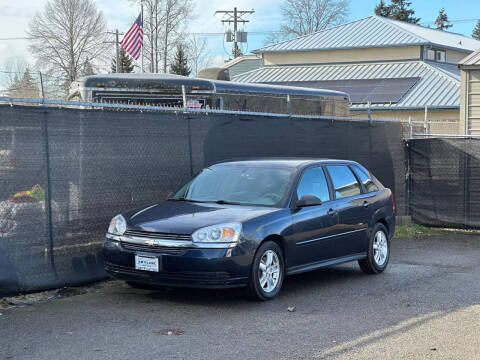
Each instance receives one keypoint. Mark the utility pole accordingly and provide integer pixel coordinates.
(117, 48)
(234, 16)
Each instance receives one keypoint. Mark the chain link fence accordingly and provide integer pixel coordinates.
(28, 84)
(418, 129)
(65, 172)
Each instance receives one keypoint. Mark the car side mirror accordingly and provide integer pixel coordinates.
(308, 200)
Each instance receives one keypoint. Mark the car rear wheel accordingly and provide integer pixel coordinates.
(268, 272)
(378, 251)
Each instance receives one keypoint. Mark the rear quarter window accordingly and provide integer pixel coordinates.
(365, 178)
(344, 182)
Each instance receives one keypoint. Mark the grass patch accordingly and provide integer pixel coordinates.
(413, 231)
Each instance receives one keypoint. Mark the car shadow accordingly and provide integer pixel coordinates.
(293, 287)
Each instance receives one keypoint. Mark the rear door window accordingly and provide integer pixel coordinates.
(313, 183)
(366, 179)
(344, 182)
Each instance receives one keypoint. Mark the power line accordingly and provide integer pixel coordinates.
(451, 21)
(188, 33)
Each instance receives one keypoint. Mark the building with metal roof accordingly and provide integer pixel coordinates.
(374, 32)
(470, 94)
(425, 77)
(390, 68)
(243, 64)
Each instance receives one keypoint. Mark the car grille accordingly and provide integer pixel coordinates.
(156, 235)
(150, 248)
(177, 275)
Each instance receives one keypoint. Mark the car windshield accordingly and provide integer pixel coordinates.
(246, 185)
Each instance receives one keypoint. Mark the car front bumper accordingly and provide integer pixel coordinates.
(179, 267)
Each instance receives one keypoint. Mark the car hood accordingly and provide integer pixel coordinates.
(185, 217)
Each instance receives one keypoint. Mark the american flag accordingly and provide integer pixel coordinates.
(132, 42)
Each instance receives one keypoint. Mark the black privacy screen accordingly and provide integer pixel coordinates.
(445, 182)
(64, 173)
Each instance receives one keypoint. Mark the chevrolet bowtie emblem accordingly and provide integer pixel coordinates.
(151, 242)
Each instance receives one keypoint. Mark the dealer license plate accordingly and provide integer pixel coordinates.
(146, 263)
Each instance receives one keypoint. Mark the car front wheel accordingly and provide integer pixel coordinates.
(267, 271)
(378, 251)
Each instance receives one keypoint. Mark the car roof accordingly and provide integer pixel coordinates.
(282, 162)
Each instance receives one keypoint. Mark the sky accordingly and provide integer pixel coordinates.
(16, 14)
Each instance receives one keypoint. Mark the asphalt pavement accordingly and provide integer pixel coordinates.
(425, 306)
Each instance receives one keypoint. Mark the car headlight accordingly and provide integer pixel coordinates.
(118, 225)
(221, 233)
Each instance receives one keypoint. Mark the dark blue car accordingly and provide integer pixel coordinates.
(250, 223)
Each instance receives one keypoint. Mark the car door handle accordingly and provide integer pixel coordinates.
(365, 204)
(331, 212)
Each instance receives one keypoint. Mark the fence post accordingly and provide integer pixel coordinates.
(289, 105)
(410, 127)
(190, 152)
(42, 90)
(184, 97)
(466, 180)
(408, 182)
(425, 123)
(48, 192)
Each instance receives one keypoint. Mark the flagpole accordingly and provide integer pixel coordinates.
(141, 5)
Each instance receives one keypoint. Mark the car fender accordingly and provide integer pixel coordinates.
(256, 230)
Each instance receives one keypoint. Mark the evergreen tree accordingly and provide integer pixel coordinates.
(397, 10)
(180, 63)
(442, 22)
(126, 62)
(24, 86)
(400, 10)
(476, 31)
(382, 10)
(87, 68)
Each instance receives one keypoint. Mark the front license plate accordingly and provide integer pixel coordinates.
(146, 263)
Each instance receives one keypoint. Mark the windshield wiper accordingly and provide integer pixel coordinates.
(222, 202)
(226, 202)
(183, 199)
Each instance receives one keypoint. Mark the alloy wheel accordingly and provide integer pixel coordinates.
(380, 248)
(269, 271)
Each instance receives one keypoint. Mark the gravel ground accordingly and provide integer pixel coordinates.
(425, 306)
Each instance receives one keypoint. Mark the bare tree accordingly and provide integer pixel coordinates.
(274, 37)
(216, 61)
(197, 53)
(176, 12)
(302, 17)
(163, 25)
(152, 17)
(66, 35)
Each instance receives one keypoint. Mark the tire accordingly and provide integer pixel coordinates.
(270, 287)
(378, 253)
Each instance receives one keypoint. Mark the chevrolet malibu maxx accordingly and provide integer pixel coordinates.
(252, 222)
